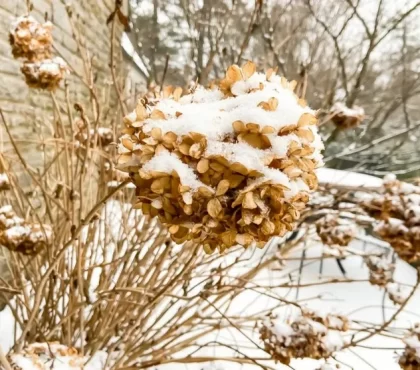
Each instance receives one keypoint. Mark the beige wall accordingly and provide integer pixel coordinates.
(27, 109)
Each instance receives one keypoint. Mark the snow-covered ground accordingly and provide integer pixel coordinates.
(360, 301)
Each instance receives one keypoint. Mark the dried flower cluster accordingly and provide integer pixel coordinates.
(44, 74)
(397, 293)
(47, 356)
(335, 230)
(346, 118)
(224, 166)
(410, 359)
(20, 236)
(32, 41)
(4, 181)
(309, 335)
(381, 271)
(398, 208)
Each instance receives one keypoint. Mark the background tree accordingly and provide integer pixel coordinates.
(359, 53)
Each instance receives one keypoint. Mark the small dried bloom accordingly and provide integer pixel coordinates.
(398, 209)
(346, 118)
(397, 293)
(381, 271)
(309, 335)
(45, 74)
(47, 356)
(30, 39)
(4, 182)
(335, 230)
(20, 236)
(224, 166)
(410, 359)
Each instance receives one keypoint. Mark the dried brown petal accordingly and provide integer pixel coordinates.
(157, 114)
(248, 69)
(239, 126)
(244, 239)
(214, 207)
(222, 187)
(234, 73)
(203, 165)
(141, 112)
(248, 201)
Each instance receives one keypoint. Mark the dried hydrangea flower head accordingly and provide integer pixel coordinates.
(20, 236)
(398, 208)
(309, 335)
(30, 39)
(381, 273)
(346, 118)
(381, 270)
(335, 230)
(224, 166)
(410, 359)
(44, 74)
(47, 356)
